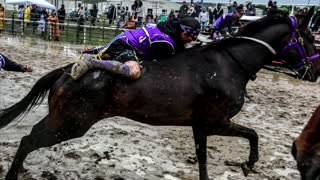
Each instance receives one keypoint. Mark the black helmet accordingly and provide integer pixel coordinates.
(190, 25)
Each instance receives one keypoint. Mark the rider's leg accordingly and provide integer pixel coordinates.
(130, 69)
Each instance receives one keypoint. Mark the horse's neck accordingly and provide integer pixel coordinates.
(259, 54)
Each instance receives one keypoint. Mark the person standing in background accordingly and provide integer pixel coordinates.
(198, 8)
(111, 14)
(54, 26)
(61, 16)
(94, 14)
(218, 11)
(183, 11)
(203, 18)
(1, 19)
(27, 15)
(171, 15)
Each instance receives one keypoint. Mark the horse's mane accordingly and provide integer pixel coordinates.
(263, 23)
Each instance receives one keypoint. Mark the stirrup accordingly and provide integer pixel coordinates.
(79, 69)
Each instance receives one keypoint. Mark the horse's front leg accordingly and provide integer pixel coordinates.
(200, 138)
(233, 129)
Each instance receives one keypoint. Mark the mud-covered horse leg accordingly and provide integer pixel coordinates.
(233, 129)
(40, 136)
(200, 138)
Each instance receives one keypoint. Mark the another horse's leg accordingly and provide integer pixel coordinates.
(200, 139)
(233, 129)
(41, 136)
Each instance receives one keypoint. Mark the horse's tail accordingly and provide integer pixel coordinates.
(37, 93)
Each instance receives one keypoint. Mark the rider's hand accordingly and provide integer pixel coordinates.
(86, 49)
(26, 68)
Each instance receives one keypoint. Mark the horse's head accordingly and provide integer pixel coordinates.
(298, 49)
(306, 149)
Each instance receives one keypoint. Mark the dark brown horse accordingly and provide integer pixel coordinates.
(306, 149)
(202, 88)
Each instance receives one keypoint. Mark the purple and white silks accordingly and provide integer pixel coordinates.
(142, 39)
(2, 61)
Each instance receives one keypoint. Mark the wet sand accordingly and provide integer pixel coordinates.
(118, 148)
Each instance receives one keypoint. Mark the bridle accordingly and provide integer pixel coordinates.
(296, 41)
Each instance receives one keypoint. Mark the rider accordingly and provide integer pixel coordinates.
(124, 52)
(9, 65)
(227, 20)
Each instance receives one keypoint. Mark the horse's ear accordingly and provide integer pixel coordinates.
(307, 18)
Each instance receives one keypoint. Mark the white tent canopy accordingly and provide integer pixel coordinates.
(39, 3)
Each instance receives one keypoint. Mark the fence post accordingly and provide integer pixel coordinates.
(45, 28)
(90, 31)
(103, 29)
(12, 24)
(78, 33)
(22, 27)
(67, 33)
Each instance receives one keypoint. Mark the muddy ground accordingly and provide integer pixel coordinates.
(118, 148)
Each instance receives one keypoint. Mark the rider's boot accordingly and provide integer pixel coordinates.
(130, 69)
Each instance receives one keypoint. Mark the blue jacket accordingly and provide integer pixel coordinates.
(9, 65)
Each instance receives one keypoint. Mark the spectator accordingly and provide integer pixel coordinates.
(81, 18)
(9, 65)
(149, 19)
(61, 16)
(2, 16)
(270, 4)
(275, 5)
(111, 14)
(315, 21)
(203, 18)
(42, 24)
(122, 13)
(27, 15)
(163, 17)
(171, 14)
(211, 16)
(183, 10)
(86, 13)
(250, 11)
(54, 26)
(20, 11)
(233, 8)
(198, 8)
(305, 10)
(138, 9)
(35, 15)
(218, 11)
(94, 14)
(191, 12)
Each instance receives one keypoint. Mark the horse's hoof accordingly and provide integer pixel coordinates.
(247, 168)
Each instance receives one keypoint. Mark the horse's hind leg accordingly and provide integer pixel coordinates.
(41, 136)
(200, 138)
(233, 129)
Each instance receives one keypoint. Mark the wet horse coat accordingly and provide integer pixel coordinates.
(202, 88)
(306, 148)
